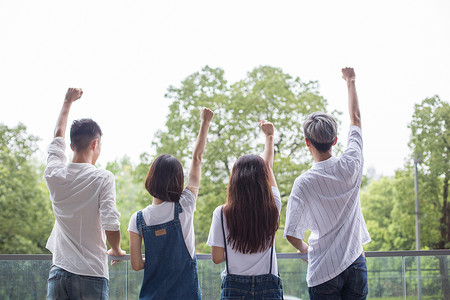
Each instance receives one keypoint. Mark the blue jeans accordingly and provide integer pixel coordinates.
(350, 284)
(66, 285)
(251, 287)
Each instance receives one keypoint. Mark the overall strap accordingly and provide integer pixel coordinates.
(224, 240)
(271, 258)
(177, 210)
(139, 222)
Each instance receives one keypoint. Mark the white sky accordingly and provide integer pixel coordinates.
(124, 54)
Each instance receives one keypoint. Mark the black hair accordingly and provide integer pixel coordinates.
(82, 132)
(165, 178)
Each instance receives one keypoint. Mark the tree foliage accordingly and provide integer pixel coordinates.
(26, 215)
(430, 138)
(266, 93)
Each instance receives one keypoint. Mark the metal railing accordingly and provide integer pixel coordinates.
(392, 274)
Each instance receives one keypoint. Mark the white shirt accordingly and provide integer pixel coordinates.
(163, 213)
(325, 200)
(239, 263)
(84, 204)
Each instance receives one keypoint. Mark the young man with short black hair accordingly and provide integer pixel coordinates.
(84, 204)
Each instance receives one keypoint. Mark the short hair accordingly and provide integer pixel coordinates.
(82, 132)
(165, 178)
(321, 130)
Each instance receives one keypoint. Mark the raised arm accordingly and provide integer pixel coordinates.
(268, 154)
(196, 167)
(355, 117)
(72, 95)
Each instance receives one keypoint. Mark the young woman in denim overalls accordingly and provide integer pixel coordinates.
(243, 230)
(170, 266)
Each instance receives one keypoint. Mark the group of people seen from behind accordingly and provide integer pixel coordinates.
(324, 200)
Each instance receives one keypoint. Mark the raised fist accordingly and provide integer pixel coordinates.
(348, 74)
(73, 94)
(206, 114)
(267, 127)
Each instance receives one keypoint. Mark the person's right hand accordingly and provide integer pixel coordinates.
(73, 94)
(117, 254)
(206, 114)
(267, 127)
(348, 74)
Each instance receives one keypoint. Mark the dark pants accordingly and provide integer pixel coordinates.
(350, 284)
(251, 287)
(65, 285)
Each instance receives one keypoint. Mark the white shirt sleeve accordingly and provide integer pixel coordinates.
(277, 198)
(296, 215)
(215, 237)
(56, 155)
(109, 215)
(354, 150)
(132, 224)
(187, 201)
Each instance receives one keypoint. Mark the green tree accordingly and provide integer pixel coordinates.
(131, 194)
(430, 142)
(389, 211)
(26, 214)
(265, 93)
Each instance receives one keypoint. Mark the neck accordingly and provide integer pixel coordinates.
(321, 156)
(156, 201)
(83, 157)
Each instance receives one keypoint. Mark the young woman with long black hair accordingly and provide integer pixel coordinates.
(166, 225)
(248, 223)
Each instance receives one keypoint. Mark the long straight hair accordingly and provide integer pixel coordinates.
(251, 213)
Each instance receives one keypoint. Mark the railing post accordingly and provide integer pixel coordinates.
(404, 277)
(416, 192)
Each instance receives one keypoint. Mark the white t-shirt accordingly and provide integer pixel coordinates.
(239, 263)
(163, 213)
(325, 200)
(84, 204)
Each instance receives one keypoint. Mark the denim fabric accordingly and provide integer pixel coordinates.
(350, 284)
(251, 287)
(170, 272)
(65, 285)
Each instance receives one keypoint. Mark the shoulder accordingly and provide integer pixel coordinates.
(133, 217)
(218, 211)
(104, 174)
(302, 179)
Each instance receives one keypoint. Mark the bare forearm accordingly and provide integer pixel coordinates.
(353, 104)
(113, 238)
(298, 244)
(197, 155)
(61, 123)
(200, 144)
(268, 153)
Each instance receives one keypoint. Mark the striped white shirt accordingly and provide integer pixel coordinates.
(325, 200)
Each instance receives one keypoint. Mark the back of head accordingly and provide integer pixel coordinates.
(321, 130)
(250, 211)
(165, 178)
(83, 132)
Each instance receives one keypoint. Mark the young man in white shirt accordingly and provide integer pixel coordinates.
(325, 200)
(84, 204)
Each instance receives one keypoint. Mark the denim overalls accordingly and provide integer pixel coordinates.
(250, 287)
(170, 272)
